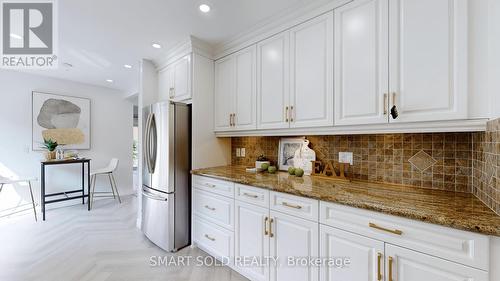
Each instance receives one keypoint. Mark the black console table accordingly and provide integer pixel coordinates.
(65, 193)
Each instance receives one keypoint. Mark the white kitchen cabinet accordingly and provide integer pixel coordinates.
(235, 91)
(428, 59)
(361, 63)
(181, 71)
(311, 72)
(366, 256)
(273, 82)
(251, 239)
(165, 83)
(296, 238)
(406, 265)
(224, 84)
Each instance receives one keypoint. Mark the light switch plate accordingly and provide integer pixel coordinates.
(238, 152)
(242, 152)
(345, 157)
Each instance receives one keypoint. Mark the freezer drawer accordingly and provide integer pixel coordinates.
(158, 218)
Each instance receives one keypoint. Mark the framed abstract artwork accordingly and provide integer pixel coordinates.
(286, 152)
(63, 119)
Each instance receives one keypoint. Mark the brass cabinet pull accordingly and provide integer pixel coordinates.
(265, 226)
(286, 114)
(234, 119)
(250, 195)
(390, 269)
(209, 238)
(230, 120)
(393, 231)
(379, 261)
(286, 204)
(210, 208)
(210, 185)
(270, 228)
(385, 105)
(393, 98)
(291, 113)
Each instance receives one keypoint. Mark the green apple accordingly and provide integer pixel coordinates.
(299, 172)
(271, 169)
(291, 171)
(264, 166)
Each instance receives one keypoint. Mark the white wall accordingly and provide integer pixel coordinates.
(111, 135)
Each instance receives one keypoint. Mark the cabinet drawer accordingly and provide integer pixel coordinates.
(253, 195)
(294, 205)
(215, 208)
(215, 240)
(214, 185)
(463, 247)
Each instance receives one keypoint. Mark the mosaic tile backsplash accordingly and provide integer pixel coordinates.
(436, 160)
(486, 165)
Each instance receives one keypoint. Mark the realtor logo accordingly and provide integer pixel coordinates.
(28, 34)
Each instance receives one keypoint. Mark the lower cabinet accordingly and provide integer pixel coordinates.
(365, 256)
(294, 238)
(407, 265)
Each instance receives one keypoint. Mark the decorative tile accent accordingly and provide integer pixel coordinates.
(486, 163)
(422, 161)
(384, 158)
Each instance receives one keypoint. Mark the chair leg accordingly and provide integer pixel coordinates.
(32, 200)
(111, 185)
(93, 190)
(116, 188)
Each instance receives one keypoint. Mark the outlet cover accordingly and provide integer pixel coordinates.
(345, 157)
(238, 152)
(242, 152)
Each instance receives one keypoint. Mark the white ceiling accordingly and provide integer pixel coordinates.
(99, 36)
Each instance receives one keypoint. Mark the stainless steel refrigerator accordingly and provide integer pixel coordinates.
(166, 197)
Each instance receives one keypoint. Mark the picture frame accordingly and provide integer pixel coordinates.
(286, 151)
(65, 119)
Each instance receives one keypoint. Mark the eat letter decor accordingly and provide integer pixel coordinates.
(328, 170)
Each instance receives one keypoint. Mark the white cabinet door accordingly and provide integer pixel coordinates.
(361, 63)
(182, 79)
(165, 84)
(408, 265)
(366, 256)
(224, 91)
(311, 73)
(245, 110)
(293, 237)
(273, 81)
(251, 239)
(428, 59)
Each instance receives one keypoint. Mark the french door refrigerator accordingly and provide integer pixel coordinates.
(166, 203)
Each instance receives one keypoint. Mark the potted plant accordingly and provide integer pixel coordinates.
(51, 146)
(262, 160)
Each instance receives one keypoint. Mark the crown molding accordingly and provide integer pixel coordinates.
(275, 25)
(183, 48)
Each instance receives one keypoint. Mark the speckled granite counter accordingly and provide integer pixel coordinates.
(457, 210)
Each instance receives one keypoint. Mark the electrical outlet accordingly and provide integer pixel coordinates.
(238, 152)
(242, 152)
(345, 157)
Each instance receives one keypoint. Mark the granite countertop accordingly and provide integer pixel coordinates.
(452, 209)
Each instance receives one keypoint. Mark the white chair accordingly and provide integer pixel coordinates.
(108, 171)
(5, 181)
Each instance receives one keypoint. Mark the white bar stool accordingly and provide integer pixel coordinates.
(4, 181)
(108, 171)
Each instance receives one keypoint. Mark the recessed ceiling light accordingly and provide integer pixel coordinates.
(156, 45)
(204, 8)
(109, 80)
(127, 66)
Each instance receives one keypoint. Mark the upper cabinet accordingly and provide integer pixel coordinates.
(175, 82)
(368, 66)
(235, 91)
(273, 95)
(428, 59)
(361, 63)
(311, 72)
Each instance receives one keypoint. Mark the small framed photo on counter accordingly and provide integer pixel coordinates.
(286, 152)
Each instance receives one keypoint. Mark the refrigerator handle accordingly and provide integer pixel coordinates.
(146, 143)
(153, 150)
